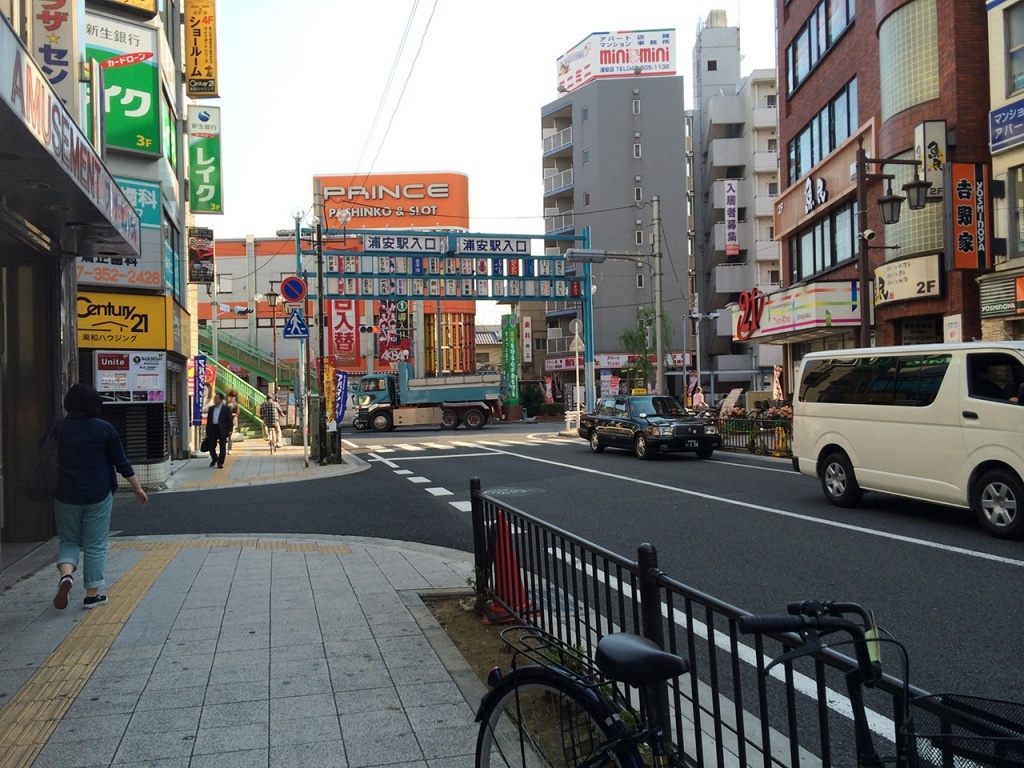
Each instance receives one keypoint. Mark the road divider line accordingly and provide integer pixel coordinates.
(382, 460)
(775, 511)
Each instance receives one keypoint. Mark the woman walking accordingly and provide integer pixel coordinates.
(90, 450)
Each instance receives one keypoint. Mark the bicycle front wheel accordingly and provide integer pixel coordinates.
(539, 717)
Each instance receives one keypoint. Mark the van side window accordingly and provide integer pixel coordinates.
(885, 380)
(994, 376)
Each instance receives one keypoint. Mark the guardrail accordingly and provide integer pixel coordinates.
(726, 711)
(249, 398)
(768, 437)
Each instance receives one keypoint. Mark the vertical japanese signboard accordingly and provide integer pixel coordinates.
(204, 160)
(131, 81)
(966, 216)
(732, 240)
(930, 151)
(510, 356)
(200, 255)
(343, 341)
(527, 339)
(55, 37)
(200, 49)
(198, 389)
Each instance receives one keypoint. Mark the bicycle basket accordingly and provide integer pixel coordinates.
(965, 732)
(547, 650)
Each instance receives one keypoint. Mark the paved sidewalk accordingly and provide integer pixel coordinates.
(239, 651)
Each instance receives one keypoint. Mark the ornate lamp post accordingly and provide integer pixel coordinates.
(271, 297)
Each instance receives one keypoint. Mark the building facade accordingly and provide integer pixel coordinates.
(906, 80)
(612, 142)
(1002, 291)
(59, 204)
(735, 158)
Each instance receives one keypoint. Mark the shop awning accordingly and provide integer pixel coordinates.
(53, 184)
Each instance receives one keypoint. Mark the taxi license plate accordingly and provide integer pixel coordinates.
(690, 444)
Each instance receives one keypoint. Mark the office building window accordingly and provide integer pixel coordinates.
(639, 280)
(712, 65)
(585, 112)
(823, 245)
(773, 188)
(770, 100)
(224, 283)
(773, 145)
(636, 150)
(638, 194)
(540, 343)
(1015, 177)
(639, 237)
(636, 106)
(1014, 25)
(586, 156)
(833, 125)
(823, 28)
(586, 199)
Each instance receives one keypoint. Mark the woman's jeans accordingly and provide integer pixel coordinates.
(84, 527)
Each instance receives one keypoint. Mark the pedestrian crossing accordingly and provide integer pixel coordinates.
(451, 445)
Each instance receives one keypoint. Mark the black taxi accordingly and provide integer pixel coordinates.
(646, 424)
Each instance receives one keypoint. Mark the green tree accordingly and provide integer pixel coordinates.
(639, 340)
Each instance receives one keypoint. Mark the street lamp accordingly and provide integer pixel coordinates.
(696, 316)
(272, 301)
(889, 207)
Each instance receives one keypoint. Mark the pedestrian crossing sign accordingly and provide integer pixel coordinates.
(295, 327)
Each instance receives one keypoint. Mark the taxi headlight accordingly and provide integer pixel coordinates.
(710, 430)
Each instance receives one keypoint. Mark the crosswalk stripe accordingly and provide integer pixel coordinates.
(439, 492)
(418, 479)
(463, 444)
(490, 442)
(441, 446)
(408, 447)
(462, 506)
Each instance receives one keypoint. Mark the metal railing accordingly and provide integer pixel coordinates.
(557, 181)
(249, 398)
(726, 711)
(558, 140)
(768, 437)
(557, 223)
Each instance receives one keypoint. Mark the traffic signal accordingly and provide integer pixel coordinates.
(369, 329)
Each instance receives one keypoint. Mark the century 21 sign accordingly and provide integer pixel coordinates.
(121, 321)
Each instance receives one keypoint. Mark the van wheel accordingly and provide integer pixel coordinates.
(999, 504)
(381, 422)
(838, 482)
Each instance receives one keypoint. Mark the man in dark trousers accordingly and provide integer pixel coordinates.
(218, 427)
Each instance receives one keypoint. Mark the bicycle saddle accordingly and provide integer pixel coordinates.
(635, 660)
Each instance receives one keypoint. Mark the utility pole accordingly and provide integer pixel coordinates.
(659, 347)
(318, 203)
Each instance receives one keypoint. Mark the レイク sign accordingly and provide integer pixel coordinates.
(204, 160)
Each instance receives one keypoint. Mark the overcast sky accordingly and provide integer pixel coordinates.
(301, 82)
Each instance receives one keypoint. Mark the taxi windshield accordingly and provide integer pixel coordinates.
(656, 406)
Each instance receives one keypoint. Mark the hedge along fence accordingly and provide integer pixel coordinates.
(767, 437)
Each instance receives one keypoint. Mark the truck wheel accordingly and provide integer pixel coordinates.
(998, 501)
(381, 422)
(449, 419)
(474, 418)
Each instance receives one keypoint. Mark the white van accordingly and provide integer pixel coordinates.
(942, 423)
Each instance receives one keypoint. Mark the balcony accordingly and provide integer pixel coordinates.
(766, 250)
(723, 325)
(557, 181)
(766, 161)
(557, 141)
(731, 278)
(764, 205)
(728, 153)
(724, 111)
(558, 222)
(720, 232)
(765, 117)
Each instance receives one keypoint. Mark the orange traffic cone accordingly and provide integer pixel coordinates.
(508, 586)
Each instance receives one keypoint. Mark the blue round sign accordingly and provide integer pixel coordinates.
(293, 289)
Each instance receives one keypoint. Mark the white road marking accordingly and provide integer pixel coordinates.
(489, 452)
(441, 446)
(417, 479)
(403, 471)
(350, 444)
(490, 442)
(408, 447)
(385, 462)
(439, 492)
(385, 450)
(777, 511)
(463, 444)
(462, 506)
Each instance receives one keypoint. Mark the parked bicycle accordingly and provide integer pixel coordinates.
(561, 709)
(939, 731)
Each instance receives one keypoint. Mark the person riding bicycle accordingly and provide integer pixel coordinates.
(272, 416)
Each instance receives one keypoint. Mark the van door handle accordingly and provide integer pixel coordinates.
(969, 415)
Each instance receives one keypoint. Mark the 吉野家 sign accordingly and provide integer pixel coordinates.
(130, 377)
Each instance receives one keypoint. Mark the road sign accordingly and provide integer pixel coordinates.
(293, 289)
(576, 326)
(295, 327)
(576, 345)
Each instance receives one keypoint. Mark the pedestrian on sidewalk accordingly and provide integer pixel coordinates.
(232, 404)
(218, 427)
(271, 415)
(89, 451)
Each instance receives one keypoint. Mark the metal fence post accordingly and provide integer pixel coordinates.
(479, 539)
(653, 628)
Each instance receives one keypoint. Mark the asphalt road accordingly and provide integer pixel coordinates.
(745, 529)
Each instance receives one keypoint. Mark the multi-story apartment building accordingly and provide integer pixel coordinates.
(610, 144)
(735, 157)
(88, 228)
(905, 79)
(1002, 291)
